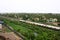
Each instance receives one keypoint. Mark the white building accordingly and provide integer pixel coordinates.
(1, 23)
(52, 20)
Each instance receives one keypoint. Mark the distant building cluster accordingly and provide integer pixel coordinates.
(52, 20)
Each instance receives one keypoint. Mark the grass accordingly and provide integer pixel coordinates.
(33, 32)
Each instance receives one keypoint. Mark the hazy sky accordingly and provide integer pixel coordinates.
(40, 6)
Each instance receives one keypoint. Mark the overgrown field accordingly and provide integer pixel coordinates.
(33, 32)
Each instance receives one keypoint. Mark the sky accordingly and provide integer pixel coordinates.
(30, 6)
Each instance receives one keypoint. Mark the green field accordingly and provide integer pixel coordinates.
(33, 32)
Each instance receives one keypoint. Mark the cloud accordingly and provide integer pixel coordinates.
(41, 6)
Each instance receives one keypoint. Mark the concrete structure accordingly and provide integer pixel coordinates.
(40, 24)
(0, 27)
(1, 23)
(52, 20)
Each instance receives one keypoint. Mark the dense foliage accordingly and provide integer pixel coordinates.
(33, 32)
(33, 17)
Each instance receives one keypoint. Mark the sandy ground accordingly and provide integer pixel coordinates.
(10, 36)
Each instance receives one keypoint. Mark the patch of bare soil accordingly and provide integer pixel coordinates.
(9, 36)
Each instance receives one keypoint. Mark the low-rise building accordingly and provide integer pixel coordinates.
(52, 20)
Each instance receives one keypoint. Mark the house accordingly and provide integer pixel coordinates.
(20, 18)
(1, 23)
(36, 19)
(52, 20)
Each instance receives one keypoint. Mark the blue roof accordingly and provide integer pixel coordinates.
(1, 22)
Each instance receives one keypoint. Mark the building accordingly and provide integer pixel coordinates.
(1, 25)
(36, 19)
(52, 20)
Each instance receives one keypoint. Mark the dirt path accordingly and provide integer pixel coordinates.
(10, 36)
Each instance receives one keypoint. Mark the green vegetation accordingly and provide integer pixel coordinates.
(41, 18)
(32, 17)
(33, 32)
(7, 30)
